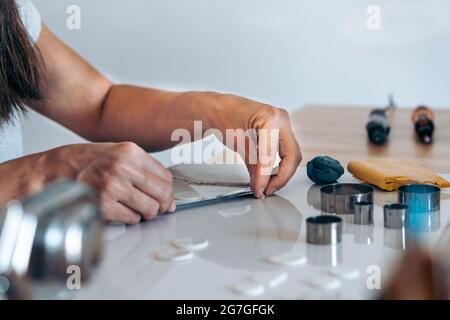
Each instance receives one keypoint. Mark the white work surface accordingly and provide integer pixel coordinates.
(242, 234)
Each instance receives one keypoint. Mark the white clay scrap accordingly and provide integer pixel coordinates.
(188, 196)
(249, 288)
(174, 255)
(324, 282)
(270, 279)
(288, 259)
(191, 243)
(344, 272)
(235, 211)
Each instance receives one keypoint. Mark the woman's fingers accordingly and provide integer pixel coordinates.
(274, 136)
(290, 160)
(115, 211)
(154, 180)
(129, 151)
(158, 189)
(140, 172)
(246, 145)
(268, 139)
(140, 203)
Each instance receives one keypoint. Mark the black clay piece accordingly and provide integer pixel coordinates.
(324, 170)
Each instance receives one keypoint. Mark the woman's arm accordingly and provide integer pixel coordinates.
(81, 99)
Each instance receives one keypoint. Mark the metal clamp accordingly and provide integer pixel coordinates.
(340, 198)
(43, 235)
(420, 198)
(324, 229)
(363, 212)
(395, 215)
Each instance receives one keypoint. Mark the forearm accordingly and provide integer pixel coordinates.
(148, 117)
(21, 177)
(27, 175)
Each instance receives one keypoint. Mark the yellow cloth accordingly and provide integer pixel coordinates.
(391, 174)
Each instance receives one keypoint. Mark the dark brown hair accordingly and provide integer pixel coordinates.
(20, 63)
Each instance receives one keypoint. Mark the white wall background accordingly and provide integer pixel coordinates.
(284, 52)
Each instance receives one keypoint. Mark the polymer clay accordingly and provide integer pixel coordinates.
(324, 170)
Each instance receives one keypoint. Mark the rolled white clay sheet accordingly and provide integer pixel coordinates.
(212, 174)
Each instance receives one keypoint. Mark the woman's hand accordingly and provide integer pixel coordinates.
(132, 186)
(273, 134)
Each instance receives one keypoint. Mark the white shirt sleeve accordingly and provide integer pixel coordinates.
(31, 18)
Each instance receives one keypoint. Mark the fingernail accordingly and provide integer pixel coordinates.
(269, 192)
(173, 207)
(260, 193)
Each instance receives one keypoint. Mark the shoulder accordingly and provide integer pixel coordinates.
(31, 18)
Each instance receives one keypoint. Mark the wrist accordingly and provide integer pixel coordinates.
(27, 175)
(223, 111)
(206, 107)
(56, 164)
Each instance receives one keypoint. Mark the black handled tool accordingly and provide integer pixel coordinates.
(423, 119)
(378, 127)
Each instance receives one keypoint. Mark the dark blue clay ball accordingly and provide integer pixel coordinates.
(324, 170)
